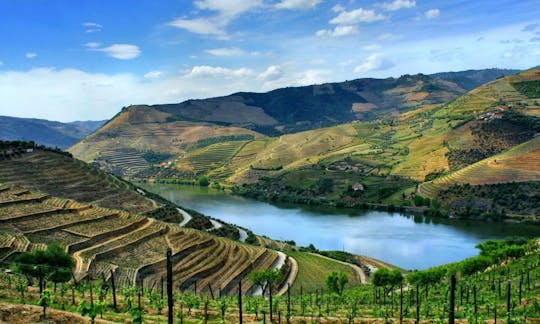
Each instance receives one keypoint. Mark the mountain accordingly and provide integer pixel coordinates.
(144, 135)
(45, 132)
(111, 227)
(471, 79)
(294, 109)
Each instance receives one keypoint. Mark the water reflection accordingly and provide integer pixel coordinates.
(409, 241)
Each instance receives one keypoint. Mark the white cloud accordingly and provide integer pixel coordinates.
(398, 4)
(315, 76)
(227, 10)
(92, 27)
(200, 26)
(297, 4)
(374, 62)
(227, 51)
(356, 16)
(205, 71)
(92, 45)
(338, 31)
(153, 75)
(432, 13)
(338, 8)
(121, 51)
(30, 55)
(271, 73)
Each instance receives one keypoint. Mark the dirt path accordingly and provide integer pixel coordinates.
(359, 272)
(243, 235)
(291, 278)
(79, 263)
(26, 314)
(186, 217)
(215, 224)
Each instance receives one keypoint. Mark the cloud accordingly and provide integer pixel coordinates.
(297, 4)
(153, 75)
(200, 26)
(271, 73)
(356, 16)
(121, 51)
(432, 13)
(338, 31)
(92, 45)
(398, 4)
(374, 62)
(92, 27)
(530, 27)
(30, 55)
(338, 8)
(227, 51)
(315, 76)
(205, 71)
(226, 11)
(1, 63)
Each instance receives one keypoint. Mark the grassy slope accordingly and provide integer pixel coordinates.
(412, 145)
(143, 129)
(521, 163)
(313, 270)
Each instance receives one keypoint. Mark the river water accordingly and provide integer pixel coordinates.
(403, 240)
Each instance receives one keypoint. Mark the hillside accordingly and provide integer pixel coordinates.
(387, 155)
(45, 132)
(471, 79)
(295, 109)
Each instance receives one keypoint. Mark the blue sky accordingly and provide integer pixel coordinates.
(79, 60)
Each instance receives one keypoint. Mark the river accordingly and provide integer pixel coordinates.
(403, 240)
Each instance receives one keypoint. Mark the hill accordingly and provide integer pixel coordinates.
(385, 156)
(471, 79)
(294, 109)
(45, 132)
(47, 197)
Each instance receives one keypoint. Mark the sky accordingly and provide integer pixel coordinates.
(86, 59)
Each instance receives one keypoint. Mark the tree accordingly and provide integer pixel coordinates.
(265, 278)
(336, 281)
(387, 279)
(203, 181)
(54, 264)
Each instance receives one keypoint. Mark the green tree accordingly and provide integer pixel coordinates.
(265, 279)
(54, 264)
(203, 181)
(336, 281)
(387, 279)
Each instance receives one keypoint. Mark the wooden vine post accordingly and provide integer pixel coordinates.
(113, 290)
(170, 301)
(451, 313)
(240, 319)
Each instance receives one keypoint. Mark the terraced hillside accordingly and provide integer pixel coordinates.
(63, 176)
(519, 164)
(141, 129)
(131, 247)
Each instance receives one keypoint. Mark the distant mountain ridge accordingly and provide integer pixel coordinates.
(45, 132)
(294, 109)
(471, 79)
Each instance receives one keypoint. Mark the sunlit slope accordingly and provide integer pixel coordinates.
(132, 247)
(65, 177)
(521, 163)
(431, 139)
(144, 129)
